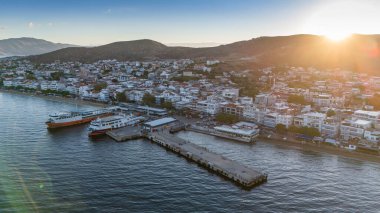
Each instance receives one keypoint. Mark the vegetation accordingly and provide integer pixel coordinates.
(226, 118)
(308, 131)
(167, 105)
(185, 78)
(149, 99)
(248, 88)
(121, 97)
(62, 93)
(374, 101)
(99, 86)
(298, 84)
(281, 128)
(297, 99)
(330, 113)
(30, 76)
(56, 75)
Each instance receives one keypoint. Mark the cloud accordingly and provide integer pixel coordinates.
(31, 25)
(50, 24)
(2, 28)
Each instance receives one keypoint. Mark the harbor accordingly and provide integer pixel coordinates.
(232, 170)
(125, 134)
(160, 132)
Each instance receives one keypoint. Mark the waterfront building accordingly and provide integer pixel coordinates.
(241, 131)
(350, 129)
(310, 119)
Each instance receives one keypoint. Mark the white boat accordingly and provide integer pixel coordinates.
(101, 125)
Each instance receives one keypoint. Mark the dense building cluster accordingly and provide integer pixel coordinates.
(337, 105)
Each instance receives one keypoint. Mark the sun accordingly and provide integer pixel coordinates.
(337, 36)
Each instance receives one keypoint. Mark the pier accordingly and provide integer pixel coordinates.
(232, 170)
(238, 173)
(126, 133)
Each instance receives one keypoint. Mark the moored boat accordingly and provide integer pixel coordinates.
(65, 119)
(100, 126)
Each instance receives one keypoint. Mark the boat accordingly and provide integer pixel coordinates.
(65, 119)
(100, 126)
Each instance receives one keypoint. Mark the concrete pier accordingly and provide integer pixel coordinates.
(238, 173)
(126, 133)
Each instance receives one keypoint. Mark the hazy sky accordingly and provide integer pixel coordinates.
(93, 22)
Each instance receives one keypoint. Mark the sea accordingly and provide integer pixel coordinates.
(65, 171)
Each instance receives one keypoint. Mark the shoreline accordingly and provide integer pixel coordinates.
(287, 144)
(57, 98)
(322, 149)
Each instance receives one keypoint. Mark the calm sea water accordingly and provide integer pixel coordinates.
(64, 171)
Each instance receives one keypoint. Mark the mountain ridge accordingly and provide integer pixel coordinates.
(25, 46)
(360, 52)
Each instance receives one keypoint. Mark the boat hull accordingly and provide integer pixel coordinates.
(52, 125)
(98, 133)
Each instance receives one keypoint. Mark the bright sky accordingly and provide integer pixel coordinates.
(94, 22)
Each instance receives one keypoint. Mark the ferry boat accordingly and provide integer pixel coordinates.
(100, 126)
(64, 119)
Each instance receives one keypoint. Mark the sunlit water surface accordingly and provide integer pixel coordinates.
(65, 171)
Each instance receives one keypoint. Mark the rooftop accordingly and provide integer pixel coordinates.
(160, 122)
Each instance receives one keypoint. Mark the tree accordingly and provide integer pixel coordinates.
(100, 86)
(297, 99)
(149, 99)
(281, 128)
(30, 76)
(167, 105)
(226, 118)
(56, 75)
(374, 101)
(121, 97)
(330, 113)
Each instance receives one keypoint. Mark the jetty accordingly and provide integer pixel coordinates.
(238, 173)
(126, 133)
(232, 170)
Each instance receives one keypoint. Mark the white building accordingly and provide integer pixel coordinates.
(311, 119)
(104, 95)
(373, 116)
(272, 119)
(230, 93)
(350, 129)
(372, 136)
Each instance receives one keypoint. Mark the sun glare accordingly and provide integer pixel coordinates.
(337, 36)
(339, 19)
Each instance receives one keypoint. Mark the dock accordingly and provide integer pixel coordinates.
(238, 173)
(126, 133)
(232, 170)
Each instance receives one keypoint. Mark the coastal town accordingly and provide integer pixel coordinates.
(337, 108)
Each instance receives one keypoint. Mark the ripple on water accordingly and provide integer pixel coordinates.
(64, 171)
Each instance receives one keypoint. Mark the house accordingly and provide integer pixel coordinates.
(273, 119)
(372, 136)
(310, 119)
(373, 116)
(350, 129)
(230, 93)
(233, 109)
(330, 128)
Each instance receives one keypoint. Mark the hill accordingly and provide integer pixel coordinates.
(28, 46)
(360, 52)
